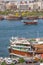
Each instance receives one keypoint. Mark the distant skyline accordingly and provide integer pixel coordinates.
(15, 0)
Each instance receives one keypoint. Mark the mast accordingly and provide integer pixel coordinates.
(37, 39)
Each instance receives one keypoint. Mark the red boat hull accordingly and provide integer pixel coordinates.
(31, 23)
(27, 54)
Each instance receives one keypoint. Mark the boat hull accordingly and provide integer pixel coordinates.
(21, 53)
(30, 23)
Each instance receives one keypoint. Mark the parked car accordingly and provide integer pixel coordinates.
(8, 60)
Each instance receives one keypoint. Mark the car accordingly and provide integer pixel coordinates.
(14, 61)
(8, 60)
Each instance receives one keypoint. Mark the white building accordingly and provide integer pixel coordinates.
(2, 5)
(11, 5)
(23, 6)
(35, 5)
(28, 5)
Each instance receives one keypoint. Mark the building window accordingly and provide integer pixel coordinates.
(29, 8)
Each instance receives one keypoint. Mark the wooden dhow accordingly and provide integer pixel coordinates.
(12, 17)
(32, 17)
(1, 17)
(34, 22)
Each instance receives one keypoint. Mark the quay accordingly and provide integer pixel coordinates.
(13, 17)
(10, 61)
(29, 64)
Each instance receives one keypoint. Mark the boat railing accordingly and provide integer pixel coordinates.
(35, 20)
(24, 50)
(20, 46)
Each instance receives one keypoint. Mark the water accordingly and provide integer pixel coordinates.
(17, 28)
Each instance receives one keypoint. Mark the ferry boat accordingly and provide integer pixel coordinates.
(20, 47)
(34, 22)
(26, 48)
